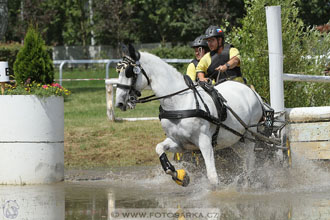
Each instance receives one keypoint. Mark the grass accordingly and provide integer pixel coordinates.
(91, 140)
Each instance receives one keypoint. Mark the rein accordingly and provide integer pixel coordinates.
(149, 98)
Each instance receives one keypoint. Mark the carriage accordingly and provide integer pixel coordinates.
(202, 117)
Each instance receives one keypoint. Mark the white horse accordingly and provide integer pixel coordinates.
(191, 133)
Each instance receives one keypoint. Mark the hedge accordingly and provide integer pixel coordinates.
(177, 52)
(8, 52)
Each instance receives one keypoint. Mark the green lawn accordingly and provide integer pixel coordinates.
(91, 140)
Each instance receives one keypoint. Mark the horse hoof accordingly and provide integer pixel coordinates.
(182, 178)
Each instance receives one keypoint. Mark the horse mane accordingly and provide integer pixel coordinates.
(150, 61)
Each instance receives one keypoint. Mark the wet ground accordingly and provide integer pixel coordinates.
(302, 192)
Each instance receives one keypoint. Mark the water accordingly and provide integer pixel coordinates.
(303, 192)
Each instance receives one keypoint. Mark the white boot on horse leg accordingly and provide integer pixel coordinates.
(208, 154)
(179, 176)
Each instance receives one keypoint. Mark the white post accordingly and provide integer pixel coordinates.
(61, 71)
(91, 15)
(109, 99)
(275, 51)
(274, 33)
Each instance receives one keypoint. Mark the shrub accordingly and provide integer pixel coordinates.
(299, 42)
(33, 61)
(178, 52)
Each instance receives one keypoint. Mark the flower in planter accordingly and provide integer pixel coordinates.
(38, 89)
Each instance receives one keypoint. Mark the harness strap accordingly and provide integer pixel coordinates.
(123, 86)
(217, 98)
(180, 114)
(191, 85)
(237, 117)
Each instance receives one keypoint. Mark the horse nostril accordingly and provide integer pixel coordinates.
(121, 106)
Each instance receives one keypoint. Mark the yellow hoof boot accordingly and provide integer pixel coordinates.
(182, 178)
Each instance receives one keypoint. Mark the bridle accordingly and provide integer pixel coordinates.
(132, 70)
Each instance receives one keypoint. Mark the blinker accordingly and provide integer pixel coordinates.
(129, 71)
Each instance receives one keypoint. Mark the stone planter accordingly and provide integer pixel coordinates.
(31, 139)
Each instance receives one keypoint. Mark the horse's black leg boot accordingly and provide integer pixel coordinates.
(165, 163)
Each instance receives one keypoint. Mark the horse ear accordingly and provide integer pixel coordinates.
(138, 55)
(132, 52)
(124, 49)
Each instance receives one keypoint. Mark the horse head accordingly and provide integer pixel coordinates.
(132, 78)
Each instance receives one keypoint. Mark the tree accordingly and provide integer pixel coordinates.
(298, 44)
(3, 17)
(47, 15)
(14, 31)
(72, 22)
(314, 12)
(77, 26)
(112, 21)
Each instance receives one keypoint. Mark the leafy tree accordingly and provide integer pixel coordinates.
(33, 60)
(154, 19)
(112, 21)
(314, 12)
(251, 39)
(180, 52)
(3, 17)
(180, 21)
(216, 12)
(47, 15)
(77, 27)
(147, 21)
(14, 30)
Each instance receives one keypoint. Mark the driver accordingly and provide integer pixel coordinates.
(201, 48)
(223, 62)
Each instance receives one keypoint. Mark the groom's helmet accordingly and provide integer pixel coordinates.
(199, 42)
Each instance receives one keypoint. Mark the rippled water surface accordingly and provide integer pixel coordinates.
(302, 192)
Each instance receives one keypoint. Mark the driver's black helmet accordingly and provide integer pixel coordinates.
(214, 31)
(199, 42)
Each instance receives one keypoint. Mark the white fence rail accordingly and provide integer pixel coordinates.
(61, 64)
(305, 78)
